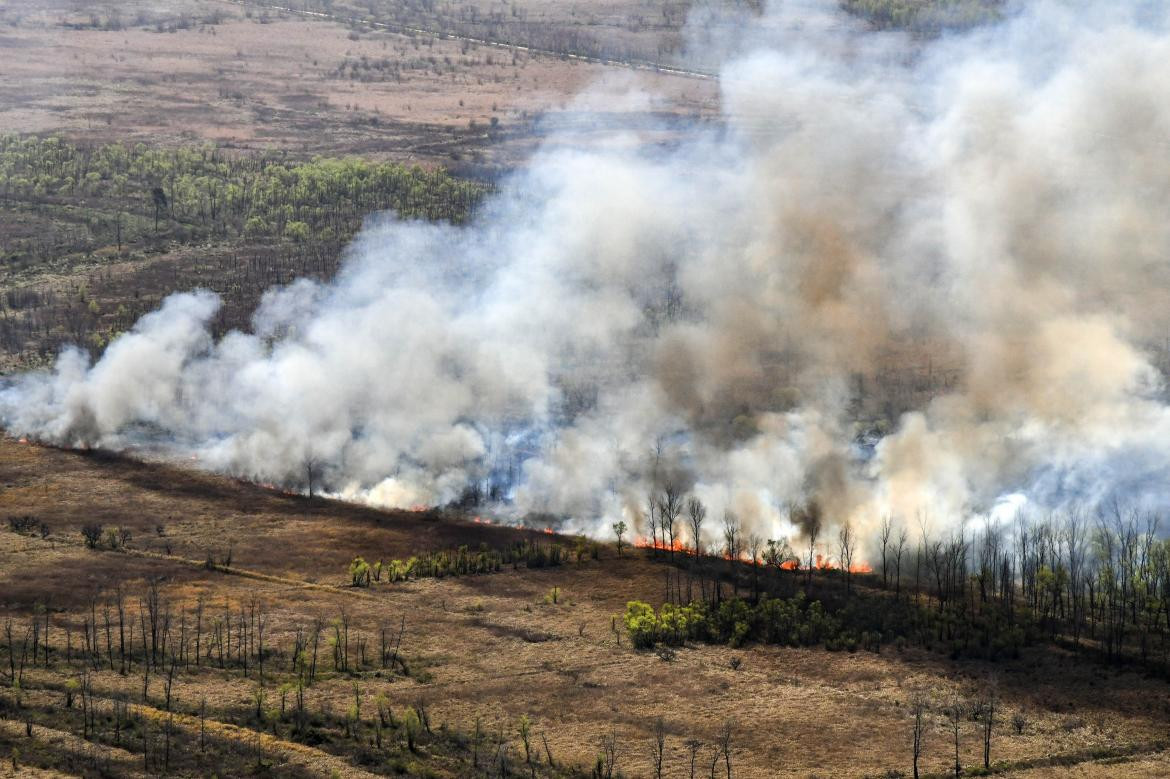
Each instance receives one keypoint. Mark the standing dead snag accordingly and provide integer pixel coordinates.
(658, 747)
(693, 746)
(808, 518)
(697, 512)
(955, 713)
(847, 544)
(918, 709)
(886, 529)
(652, 521)
(987, 713)
(755, 543)
(731, 545)
(724, 742)
(607, 762)
(899, 551)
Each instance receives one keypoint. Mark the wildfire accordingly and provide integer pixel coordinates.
(823, 562)
(481, 520)
(646, 543)
(548, 530)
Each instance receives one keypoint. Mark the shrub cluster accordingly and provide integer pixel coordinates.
(28, 526)
(863, 622)
(462, 561)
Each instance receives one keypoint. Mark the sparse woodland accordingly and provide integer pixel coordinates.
(1099, 583)
(253, 220)
(126, 670)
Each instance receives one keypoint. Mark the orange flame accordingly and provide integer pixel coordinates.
(823, 563)
(646, 543)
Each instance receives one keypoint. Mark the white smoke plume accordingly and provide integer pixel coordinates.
(902, 278)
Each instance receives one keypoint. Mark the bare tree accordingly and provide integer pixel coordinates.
(809, 518)
(918, 709)
(731, 545)
(754, 544)
(899, 550)
(987, 713)
(955, 713)
(652, 520)
(697, 513)
(887, 527)
(846, 546)
(693, 746)
(609, 753)
(658, 746)
(670, 508)
(312, 472)
(724, 742)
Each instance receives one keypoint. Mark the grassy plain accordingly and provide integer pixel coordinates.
(491, 648)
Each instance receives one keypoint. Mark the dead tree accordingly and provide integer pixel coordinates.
(697, 513)
(846, 546)
(652, 521)
(658, 747)
(884, 533)
(918, 709)
(693, 746)
(724, 741)
(987, 712)
(955, 714)
(731, 546)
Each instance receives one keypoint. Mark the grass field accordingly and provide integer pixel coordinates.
(197, 70)
(491, 648)
(427, 677)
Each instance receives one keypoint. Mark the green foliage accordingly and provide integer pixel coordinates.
(211, 192)
(925, 16)
(464, 561)
(642, 624)
(864, 622)
(359, 572)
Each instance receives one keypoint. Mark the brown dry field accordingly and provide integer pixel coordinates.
(492, 647)
(275, 84)
(489, 645)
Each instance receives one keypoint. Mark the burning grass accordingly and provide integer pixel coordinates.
(486, 648)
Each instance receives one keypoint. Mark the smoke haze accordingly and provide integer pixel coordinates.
(902, 278)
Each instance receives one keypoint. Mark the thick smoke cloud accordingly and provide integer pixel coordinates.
(902, 278)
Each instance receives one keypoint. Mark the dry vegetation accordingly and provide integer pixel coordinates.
(81, 264)
(488, 649)
(492, 648)
(190, 70)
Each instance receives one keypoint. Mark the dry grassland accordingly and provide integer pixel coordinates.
(285, 81)
(492, 647)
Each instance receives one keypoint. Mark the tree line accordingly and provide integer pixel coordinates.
(1096, 581)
